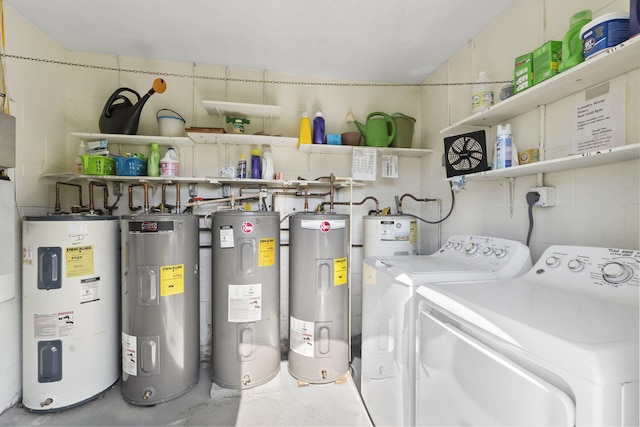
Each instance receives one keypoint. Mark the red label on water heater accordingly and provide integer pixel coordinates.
(325, 226)
(247, 227)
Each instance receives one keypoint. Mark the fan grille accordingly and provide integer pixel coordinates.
(466, 153)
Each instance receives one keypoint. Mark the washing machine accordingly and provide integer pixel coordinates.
(388, 313)
(555, 346)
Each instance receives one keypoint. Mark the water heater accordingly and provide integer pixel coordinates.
(318, 297)
(160, 306)
(70, 309)
(246, 298)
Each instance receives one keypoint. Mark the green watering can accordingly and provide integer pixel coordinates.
(379, 130)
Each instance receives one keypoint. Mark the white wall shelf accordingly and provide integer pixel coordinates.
(241, 110)
(145, 140)
(613, 62)
(595, 158)
(348, 149)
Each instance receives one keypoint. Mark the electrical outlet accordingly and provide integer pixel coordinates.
(547, 196)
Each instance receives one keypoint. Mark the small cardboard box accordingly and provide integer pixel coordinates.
(523, 73)
(546, 60)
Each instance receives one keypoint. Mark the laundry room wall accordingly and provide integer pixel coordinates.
(596, 206)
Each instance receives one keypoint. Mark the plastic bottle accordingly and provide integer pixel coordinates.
(318, 129)
(153, 164)
(572, 48)
(81, 151)
(482, 94)
(256, 164)
(170, 163)
(305, 130)
(503, 147)
(242, 167)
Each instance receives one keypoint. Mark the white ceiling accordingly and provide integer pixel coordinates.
(395, 41)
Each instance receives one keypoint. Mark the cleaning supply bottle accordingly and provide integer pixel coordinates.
(256, 164)
(482, 94)
(503, 147)
(153, 164)
(170, 163)
(318, 129)
(81, 151)
(572, 48)
(242, 167)
(305, 130)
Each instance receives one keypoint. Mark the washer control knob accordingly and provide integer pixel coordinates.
(575, 265)
(552, 261)
(457, 246)
(487, 251)
(471, 248)
(615, 272)
(448, 245)
(500, 253)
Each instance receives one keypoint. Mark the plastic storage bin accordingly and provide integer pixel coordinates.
(98, 165)
(130, 166)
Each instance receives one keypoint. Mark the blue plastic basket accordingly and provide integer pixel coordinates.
(130, 166)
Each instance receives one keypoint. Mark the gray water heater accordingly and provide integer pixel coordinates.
(160, 306)
(246, 298)
(318, 297)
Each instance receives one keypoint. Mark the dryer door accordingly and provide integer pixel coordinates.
(461, 381)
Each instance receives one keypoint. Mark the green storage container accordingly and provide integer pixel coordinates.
(404, 130)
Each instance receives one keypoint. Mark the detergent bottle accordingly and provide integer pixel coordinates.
(305, 130)
(572, 49)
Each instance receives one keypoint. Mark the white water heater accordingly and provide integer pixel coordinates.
(70, 309)
(389, 235)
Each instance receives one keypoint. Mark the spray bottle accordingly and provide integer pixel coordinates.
(503, 147)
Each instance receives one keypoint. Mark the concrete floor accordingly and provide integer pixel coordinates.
(280, 402)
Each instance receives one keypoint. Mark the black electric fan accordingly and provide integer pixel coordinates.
(465, 153)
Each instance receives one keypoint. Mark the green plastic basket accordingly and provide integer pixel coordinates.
(98, 165)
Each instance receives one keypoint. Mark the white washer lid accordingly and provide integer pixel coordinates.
(590, 337)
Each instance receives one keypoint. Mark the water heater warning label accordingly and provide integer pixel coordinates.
(245, 303)
(339, 271)
(53, 325)
(301, 339)
(129, 354)
(79, 261)
(171, 279)
(266, 252)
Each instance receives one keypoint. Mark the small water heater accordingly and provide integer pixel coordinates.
(160, 306)
(70, 301)
(318, 297)
(246, 298)
(389, 235)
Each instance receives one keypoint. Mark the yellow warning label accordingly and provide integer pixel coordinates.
(339, 271)
(266, 252)
(171, 280)
(413, 232)
(79, 261)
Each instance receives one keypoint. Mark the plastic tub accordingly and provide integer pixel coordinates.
(170, 123)
(604, 32)
(404, 130)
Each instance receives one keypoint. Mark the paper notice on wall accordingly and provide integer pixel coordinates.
(389, 166)
(599, 120)
(363, 164)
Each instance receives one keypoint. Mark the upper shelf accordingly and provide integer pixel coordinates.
(179, 141)
(282, 141)
(594, 158)
(613, 62)
(237, 109)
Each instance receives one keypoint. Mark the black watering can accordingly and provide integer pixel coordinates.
(120, 115)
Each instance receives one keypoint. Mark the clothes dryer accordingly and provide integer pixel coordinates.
(555, 346)
(388, 313)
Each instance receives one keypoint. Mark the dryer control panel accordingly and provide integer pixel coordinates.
(613, 274)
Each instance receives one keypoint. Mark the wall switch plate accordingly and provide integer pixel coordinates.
(547, 196)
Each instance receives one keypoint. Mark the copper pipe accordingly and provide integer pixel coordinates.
(358, 203)
(332, 192)
(105, 193)
(146, 197)
(414, 198)
(58, 184)
(163, 204)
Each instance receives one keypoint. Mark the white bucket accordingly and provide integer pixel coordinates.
(170, 123)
